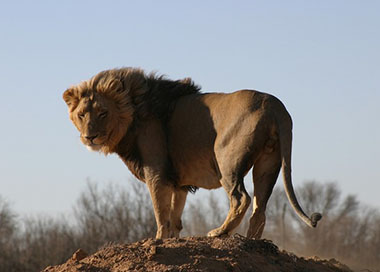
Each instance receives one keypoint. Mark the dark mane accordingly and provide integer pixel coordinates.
(147, 94)
(162, 94)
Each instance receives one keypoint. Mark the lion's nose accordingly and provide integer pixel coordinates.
(91, 137)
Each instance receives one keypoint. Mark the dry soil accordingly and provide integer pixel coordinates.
(234, 253)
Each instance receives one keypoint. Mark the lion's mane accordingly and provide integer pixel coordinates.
(147, 94)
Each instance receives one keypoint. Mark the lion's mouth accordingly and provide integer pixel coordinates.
(93, 147)
(93, 144)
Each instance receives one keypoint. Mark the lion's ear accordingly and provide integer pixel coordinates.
(186, 80)
(71, 98)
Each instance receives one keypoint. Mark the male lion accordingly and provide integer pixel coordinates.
(175, 139)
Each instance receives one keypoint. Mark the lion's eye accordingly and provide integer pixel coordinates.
(103, 114)
(81, 116)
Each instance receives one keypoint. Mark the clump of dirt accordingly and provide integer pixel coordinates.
(234, 253)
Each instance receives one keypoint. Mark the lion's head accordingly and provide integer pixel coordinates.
(102, 109)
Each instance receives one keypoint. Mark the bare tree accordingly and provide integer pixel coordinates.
(201, 217)
(7, 221)
(8, 230)
(45, 241)
(113, 215)
(346, 232)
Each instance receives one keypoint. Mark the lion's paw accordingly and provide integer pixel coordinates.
(217, 233)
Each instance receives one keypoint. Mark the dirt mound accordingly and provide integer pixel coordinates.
(234, 253)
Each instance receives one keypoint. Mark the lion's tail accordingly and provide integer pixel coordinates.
(285, 136)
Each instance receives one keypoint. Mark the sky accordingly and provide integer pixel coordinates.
(321, 58)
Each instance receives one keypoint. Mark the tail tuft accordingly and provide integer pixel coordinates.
(315, 217)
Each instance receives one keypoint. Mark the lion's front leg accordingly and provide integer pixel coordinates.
(161, 195)
(153, 151)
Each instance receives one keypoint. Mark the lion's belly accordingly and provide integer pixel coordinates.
(199, 172)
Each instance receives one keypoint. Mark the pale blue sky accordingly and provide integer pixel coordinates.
(321, 58)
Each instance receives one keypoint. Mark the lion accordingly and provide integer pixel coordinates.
(176, 139)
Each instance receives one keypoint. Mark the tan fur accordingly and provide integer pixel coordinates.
(174, 139)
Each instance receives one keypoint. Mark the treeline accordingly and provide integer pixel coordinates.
(349, 231)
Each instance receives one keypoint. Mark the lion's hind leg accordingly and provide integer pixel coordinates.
(239, 203)
(177, 206)
(265, 173)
